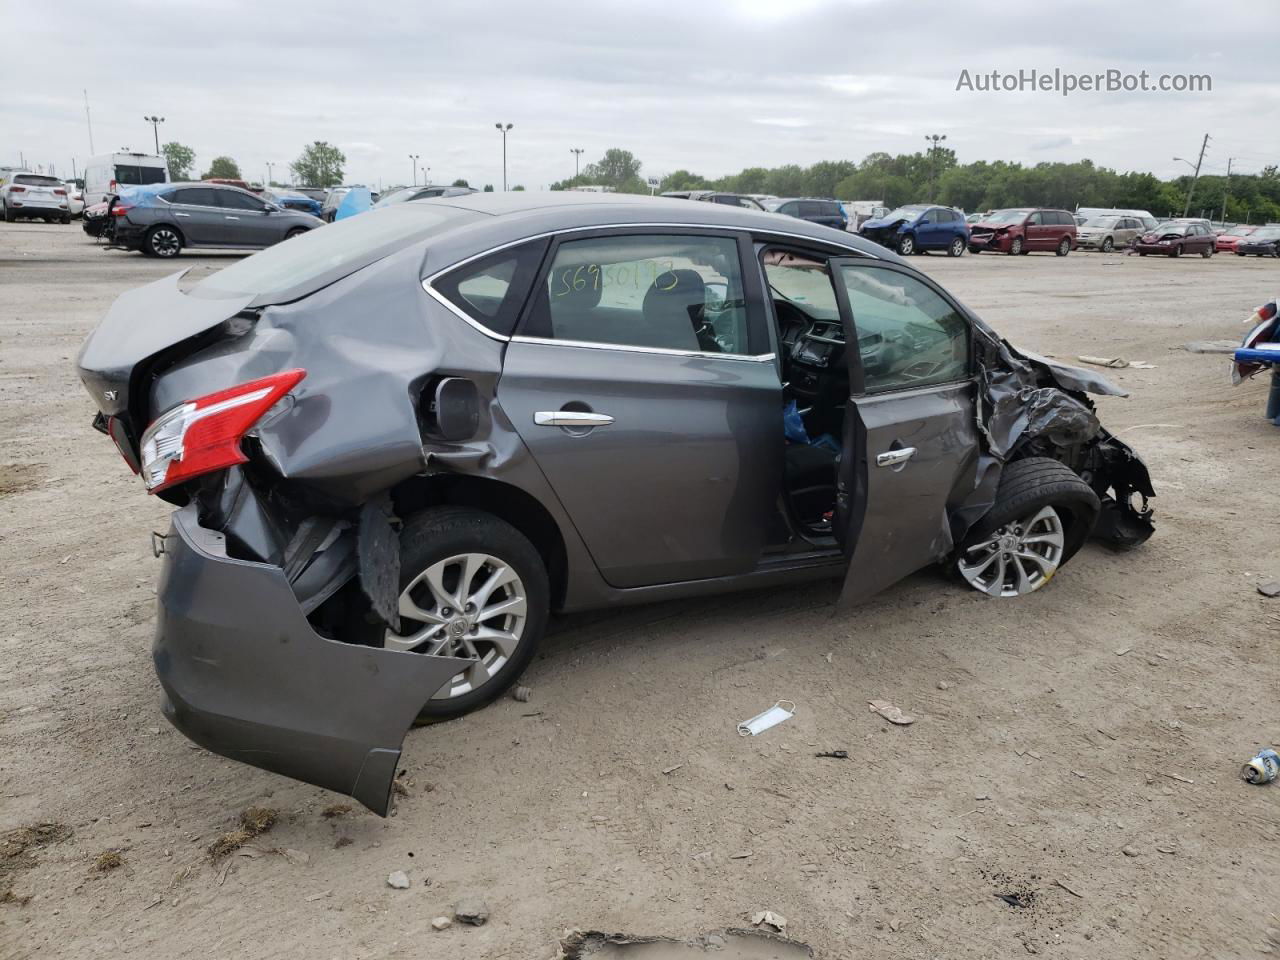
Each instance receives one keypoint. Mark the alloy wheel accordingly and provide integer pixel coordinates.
(165, 242)
(1107, 245)
(471, 606)
(1016, 559)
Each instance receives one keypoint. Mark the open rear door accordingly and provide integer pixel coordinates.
(910, 438)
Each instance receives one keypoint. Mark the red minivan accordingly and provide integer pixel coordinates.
(1024, 229)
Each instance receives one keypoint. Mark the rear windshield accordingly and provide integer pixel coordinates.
(136, 176)
(339, 248)
(35, 180)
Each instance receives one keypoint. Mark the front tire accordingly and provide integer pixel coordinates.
(295, 232)
(472, 586)
(162, 241)
(1207, 253)
(1108, 245)
(1042, 515)
(906, 245)
(956, 249)
(1015, 248)
(1175, 251)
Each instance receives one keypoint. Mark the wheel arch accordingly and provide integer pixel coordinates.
(503, 500)
(182, 237)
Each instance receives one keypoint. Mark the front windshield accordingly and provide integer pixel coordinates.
(353, 242)
(1008, 216)
(772, 204)
(1101, 222)
(906, 213)
(1266, 233)
(1242, 230)
(400, 196)
(1176, 229)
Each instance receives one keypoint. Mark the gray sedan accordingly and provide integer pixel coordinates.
(397, 445)
(160, 221)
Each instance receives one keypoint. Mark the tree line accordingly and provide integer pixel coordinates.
(933, 176)
(938, 177)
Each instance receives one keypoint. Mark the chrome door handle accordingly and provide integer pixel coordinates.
(182, 214)
(895, 457)
(231, 218)
(571, 418)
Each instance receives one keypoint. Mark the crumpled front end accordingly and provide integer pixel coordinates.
(885, 233)
(246, 676)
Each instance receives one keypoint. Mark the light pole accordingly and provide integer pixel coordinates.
(155, 129)
(415, 157)
(426, 176)
(934, 139)
(269, 166)
(577, 154)
(503, 130)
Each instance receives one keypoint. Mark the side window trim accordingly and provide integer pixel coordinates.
(853, 357)
(759, 344)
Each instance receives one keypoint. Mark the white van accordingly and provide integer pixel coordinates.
(104, 176)
(1148, 221)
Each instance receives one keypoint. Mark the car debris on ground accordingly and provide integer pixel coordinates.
(891, 713)
(473, 911)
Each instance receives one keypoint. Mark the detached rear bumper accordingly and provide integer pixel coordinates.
(245, 675)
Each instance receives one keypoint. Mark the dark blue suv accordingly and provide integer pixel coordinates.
(920, 226)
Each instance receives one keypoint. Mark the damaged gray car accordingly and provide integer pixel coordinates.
(398, 444)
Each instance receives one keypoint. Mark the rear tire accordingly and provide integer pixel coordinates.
(1042, 515)
(162, 241)
(1064, 247)
(9, 215)
(295, 232)
(956, 248)
(1207, 253)
(437, 547)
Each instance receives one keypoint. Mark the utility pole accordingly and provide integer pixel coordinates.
(1195, 176)
(577, 154)
(934, 139)
(415, 157)
(155, 128)
(88, 120)
(1226, 191)
(503, 130)
(269, 166)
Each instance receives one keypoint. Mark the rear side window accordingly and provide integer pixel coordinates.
(666, 291)
(192, 196)
(134, 175)
(492, 290)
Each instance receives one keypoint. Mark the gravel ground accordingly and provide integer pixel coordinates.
(1078, 749)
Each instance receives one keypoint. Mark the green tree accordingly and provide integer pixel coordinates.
(319, 165)
(517, 187)
(223, 168)
(180, 158)
(460, 183)
(618, 169)
(683, 180)
(488, 188)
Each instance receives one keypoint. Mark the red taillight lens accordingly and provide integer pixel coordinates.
(121, 210)
(204, 435)
(17, 189)
(59, 193)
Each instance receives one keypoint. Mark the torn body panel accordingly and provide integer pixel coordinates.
(250, 679)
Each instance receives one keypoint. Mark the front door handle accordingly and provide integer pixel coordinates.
(232, 218)
(182, 214)
(895, 457)
(571, 418)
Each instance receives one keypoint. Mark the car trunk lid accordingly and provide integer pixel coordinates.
(140, 326)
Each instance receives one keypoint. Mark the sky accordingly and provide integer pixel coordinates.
(711, 87)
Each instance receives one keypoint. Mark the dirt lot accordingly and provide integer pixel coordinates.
(1105, 716)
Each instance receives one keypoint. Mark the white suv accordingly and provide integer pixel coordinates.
(34, 195)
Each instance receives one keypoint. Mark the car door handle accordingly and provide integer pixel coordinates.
(894, 457)
(571, 418)
(182, 214)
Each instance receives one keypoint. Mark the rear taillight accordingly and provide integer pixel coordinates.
(17, 189)
(120, 210)
(204, 435)
(59, 193)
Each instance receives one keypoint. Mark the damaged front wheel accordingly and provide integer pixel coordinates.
(1043, 514)
(473, 587)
